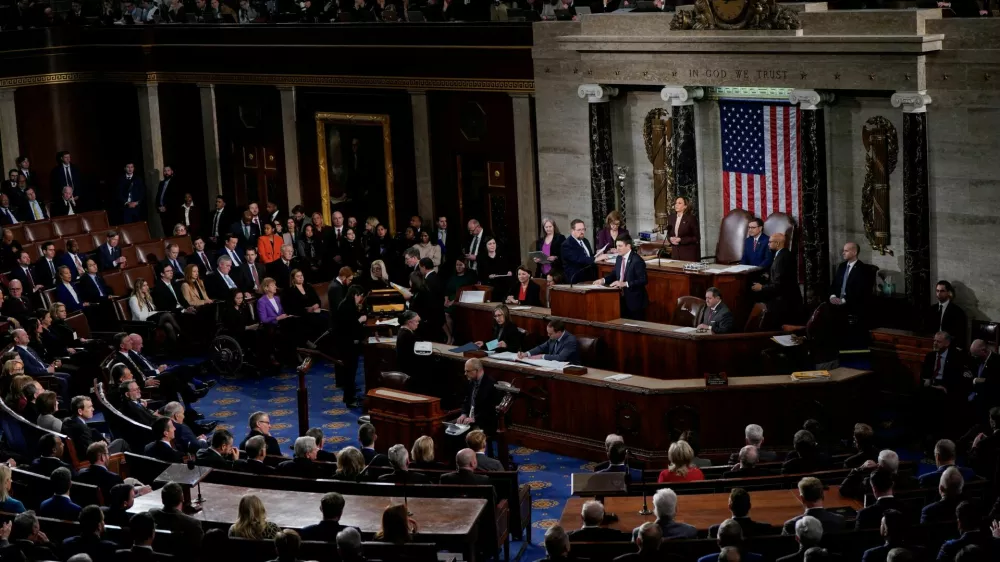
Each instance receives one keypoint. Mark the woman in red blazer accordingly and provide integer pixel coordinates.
(683, 233)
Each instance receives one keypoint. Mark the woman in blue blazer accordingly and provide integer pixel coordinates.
(66, 293)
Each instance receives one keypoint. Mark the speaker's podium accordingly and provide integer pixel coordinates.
(585, 302)
(402, 417)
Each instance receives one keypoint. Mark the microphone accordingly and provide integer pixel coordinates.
(191, 466)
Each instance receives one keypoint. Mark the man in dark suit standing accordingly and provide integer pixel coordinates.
(24, 170)
(592, 531)
(168, 200)
(184, 529)
(481, 398)
(450, 248)
(65, 174)
(337, 290)
(946, 316)
(66, 204)
(781, 292)
(219, 222)
(629, 277)
(755, 250)
(850, 294)
(477, 244)
(578, 256)
(716, 315)
(130, 194)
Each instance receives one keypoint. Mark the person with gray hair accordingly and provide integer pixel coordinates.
(592, 531)
(556, 544)
(730, 536)
(349, 545)
(184, 438)
(944, 456)
(610, 440)
(747, 466)
(302, 464)
(665, 508)
(858, 481)
(816, 554)
(950, 489)
(227, 277)
(728, 554)
(808, 533)
(399, 459)
(754, 435)
(648, 541)
(26, 532)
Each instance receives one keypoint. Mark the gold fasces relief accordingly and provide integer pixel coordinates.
(735, 14)
(881, 152)
(656, 135)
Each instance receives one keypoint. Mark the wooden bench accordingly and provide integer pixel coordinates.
(32, 489)
(22, 436)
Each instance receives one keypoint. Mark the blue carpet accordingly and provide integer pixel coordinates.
(232, 401)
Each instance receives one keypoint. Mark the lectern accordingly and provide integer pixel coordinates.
(402, 417)
(188, 477)
(585, 302)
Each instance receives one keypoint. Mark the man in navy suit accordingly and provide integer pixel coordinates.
(246, 231)
(578, 256)
(852, 284)
(950, 490)
(617, 455)
(66, 174)
(944, 457)
(881, 483)
(205, 263)
(970, 525)
(628, 276)
(367, 436)
(109, 255)
(45, 267)
(755, 250)
(131, 192)
(24, 272)
(162, 448)
(59, 506)
(35, 365)
(73, 259)
(32, 209)
(561, 345)
(97, 474)
(90, 541)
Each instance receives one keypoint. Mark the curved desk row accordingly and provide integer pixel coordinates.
(572, 414)
(631, 346)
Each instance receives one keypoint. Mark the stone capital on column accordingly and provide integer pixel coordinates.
(810, 100)
(681, 95)
(911, 102)
(596, 93)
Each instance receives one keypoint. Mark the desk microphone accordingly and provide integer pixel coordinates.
(200, 499)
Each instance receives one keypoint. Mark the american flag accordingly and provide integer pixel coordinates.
(760, 158)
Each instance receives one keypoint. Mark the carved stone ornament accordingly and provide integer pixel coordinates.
(681, 95)
(911, 102)
(810, 100)
(735, 14)
(596, 93)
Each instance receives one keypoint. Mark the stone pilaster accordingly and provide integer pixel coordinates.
(602, 160)
(524, 162)
(916, 207)
(685, 155)
(9, 145)
(152, 149)
(422, 155)
(290, 137)
(210, 132)
(815, 217)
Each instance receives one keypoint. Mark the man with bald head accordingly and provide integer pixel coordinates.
(781, 292)
(465, 461)
(850, 292)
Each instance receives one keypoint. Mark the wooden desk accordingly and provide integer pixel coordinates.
(704, 510)
(632, 346)
(667, 281)
(585, 302)
(446, 521)
(899, 354)
(572, 414)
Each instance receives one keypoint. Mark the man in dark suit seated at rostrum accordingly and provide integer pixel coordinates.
(739, 507)
(399, 459)
(755, 250)
(561, 345)
(781, 292)
(592, 531)
(302, 465)
(716, 315)
(805, 456)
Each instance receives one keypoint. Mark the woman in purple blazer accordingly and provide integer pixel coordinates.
(611, 231)
(269, 307)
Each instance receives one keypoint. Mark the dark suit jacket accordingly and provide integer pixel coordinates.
(172, 199)
(405, 477)
(690, 247)
(932, 479)
(321, 531)
(486, 399)
(140, 554)
(634, 296)
(597, 534)
(205, 266)
(280, 272)
(954, 322)
(578, 266)
(160, 450)
(18, 273)
(373, 457)
(18, 308)
(721, 320)
(245, 280)
(859, 285)
(8, 217)
(67, 259)
(951, 548)
(135, 190)
(47, 465)
(87, 288)
(750, 528)
(80, 433)
(137, 412)
(164, 300)
(211, 458)
(43, 274)
(57, 179)
(672, 530)
(483, 462)
(27, 550)
(273, 448)
(187, 529)
(983, 457)
(253, 467)
(101, 477)
(302, 468)
(59, 507)
(761, 257)
(25, 210)
(178, 266)
(954, 368)
(782, 290)
(225, 221)
(60, 207)
(871, 516)
(466, 477)
(244, 240)
(941, 511)
(106, 255)
(93, 545)
(832, 522)
(335, 293)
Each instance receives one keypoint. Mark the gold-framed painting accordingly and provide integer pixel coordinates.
(355, 166)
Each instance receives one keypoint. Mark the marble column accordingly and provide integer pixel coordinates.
(290, 139)
(916, 207)
(210, 132)
(152, 149)
(9, 145)
(815, 218)
(685, 155)
(602, 159)
(422, 155)
(528, 221)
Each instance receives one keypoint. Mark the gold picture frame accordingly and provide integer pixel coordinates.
(324, 120)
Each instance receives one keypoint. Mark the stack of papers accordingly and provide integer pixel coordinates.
(617, 378)
(545, 364)
(473, 296)
(471, 346)
(686, 330)
(787, 341)
(520, 308)
(504, 356)
(740, 268)
(376, 339)
(810, 375)
(389, 322)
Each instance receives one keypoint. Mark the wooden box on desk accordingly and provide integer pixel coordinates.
(402, 417)
(585, 302)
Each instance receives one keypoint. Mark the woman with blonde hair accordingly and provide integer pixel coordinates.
(397, 527)
(378, 276)
(7, 503)
(12, 368)
(681, 468)
(251, 520)
(422, 454)
(141, 306)
(193, 288)
(350, 463)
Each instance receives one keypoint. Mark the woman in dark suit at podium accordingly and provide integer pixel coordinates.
(505, 331)
(683, 233)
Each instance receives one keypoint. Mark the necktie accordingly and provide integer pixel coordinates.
(163, 194)
(711, 315)
(76, 260)
(443, 237)
(8, 215)
(937, 366)
(172, 292)
(475, 390)
(177, 266)
(52, 268)
(236, 261)
(246, 231)
(253, 271)
(584, 246)
(250, 308)
(622, 276)
(755, 244)
(229, 282)
(69, 176)
(843, 284)
(197, 287)
(940, 317)
(204, 260)
(475, 245)
(338, 234)
(215, 222)
(97, 284)
(36, 211)
(30, 279)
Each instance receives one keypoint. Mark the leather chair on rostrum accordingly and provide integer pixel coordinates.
(688, 311)
(732, 233)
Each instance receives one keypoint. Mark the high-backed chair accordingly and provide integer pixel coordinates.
(688, 311)
(68, 226)
(588, 348)
(781, 222)
(143, 272)
(116, 282)
(184, 244)
(756, 319)
(85, 240)
(543, 293)
(732, 233)
(134, 233)
(18, 231)
(321, 291)
(150, 252)
(39, 230)
(94, 221)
